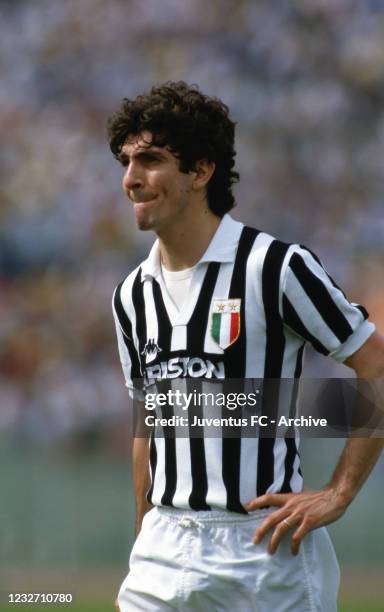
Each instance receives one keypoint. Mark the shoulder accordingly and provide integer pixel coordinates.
(126, 285)
(272, 262)
(269, 252)
(122, 294)
(267, 249)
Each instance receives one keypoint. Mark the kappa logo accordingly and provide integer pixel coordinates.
(150, 350)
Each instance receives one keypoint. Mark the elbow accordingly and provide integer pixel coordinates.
(368, 361)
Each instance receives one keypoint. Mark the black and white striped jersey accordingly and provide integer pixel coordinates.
(254, 302)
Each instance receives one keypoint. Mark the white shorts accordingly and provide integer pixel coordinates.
(206, 561)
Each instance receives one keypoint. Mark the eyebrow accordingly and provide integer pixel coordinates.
(144, 152)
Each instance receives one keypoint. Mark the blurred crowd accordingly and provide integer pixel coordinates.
(305, 83)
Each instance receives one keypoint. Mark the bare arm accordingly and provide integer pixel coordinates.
(140, 467)
(311, 509)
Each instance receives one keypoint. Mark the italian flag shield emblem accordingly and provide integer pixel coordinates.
(225, 327)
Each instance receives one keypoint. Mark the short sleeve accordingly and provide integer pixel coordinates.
(316, 309)
(129, 358)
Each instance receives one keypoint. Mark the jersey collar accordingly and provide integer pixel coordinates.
(222, 248)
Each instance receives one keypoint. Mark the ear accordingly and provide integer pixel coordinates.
(203, 172)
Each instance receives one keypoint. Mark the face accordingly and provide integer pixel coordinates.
(153, 182)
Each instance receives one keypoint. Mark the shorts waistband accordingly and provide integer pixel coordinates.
(211, 516)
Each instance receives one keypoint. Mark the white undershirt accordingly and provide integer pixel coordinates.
(177, 284)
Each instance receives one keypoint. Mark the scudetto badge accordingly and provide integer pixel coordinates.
(225, 323)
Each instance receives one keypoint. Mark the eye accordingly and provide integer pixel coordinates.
(150, 158)
(124, 161)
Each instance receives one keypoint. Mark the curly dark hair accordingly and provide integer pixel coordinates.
(191, 125)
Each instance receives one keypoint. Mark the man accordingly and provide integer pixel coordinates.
(215, 300)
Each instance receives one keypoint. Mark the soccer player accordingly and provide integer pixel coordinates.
(216, 300)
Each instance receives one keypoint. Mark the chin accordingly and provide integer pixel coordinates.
(145, 217)
(144, 228)
(145, 224)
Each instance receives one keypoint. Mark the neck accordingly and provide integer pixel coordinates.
(184, 243)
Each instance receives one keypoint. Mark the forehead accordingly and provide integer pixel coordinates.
(136, 141)
(140, 142)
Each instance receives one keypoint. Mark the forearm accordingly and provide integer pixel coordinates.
(308, 510)
(141, 478)
(360, 454)
(354, 466)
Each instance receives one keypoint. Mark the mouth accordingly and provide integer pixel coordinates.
(144, 202)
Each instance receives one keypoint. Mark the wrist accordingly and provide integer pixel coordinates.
(341, 496)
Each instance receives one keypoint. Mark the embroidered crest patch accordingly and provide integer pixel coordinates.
(225, 325)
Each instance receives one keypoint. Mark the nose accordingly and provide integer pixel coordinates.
(132, 178)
